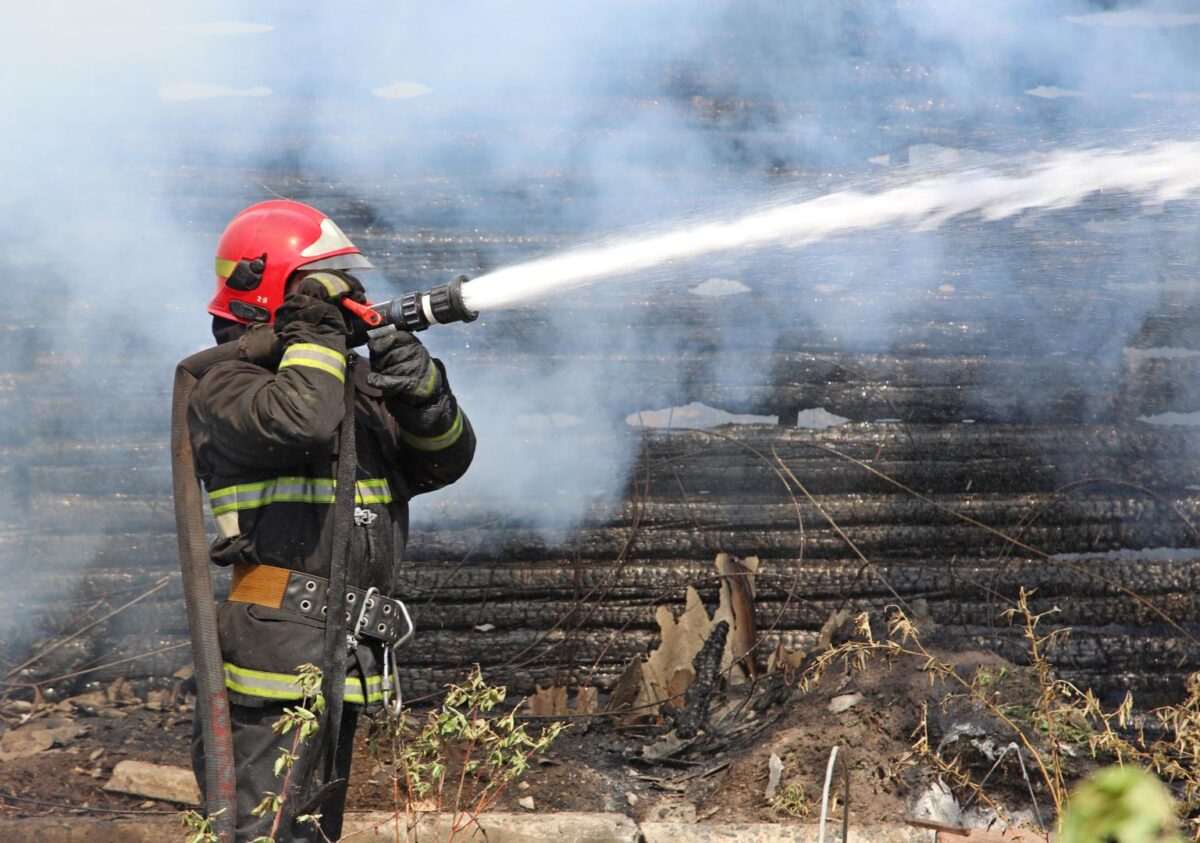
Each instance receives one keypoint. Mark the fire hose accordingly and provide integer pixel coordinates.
(411, 312)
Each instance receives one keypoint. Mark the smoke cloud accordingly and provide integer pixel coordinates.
(468, 136)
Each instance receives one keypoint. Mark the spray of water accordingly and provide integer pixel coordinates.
(1162, 173)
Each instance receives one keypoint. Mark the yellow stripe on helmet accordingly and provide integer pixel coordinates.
(225, 267)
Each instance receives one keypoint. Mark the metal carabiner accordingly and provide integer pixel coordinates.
(393, 697)
(412, 628)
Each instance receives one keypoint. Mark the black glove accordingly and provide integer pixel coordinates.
(401, 368)
(315, 300)
(331, 287)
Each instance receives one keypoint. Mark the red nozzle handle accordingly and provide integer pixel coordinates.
(363, 311)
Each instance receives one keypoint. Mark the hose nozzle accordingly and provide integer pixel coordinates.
(417, 311)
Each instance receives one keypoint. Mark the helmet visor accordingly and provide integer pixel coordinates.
(351, 260)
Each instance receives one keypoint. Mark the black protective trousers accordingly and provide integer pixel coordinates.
(256, 747)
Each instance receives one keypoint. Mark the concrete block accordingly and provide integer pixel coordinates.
(155, 781)
(777, 833)
(89, 830)
(504, 828)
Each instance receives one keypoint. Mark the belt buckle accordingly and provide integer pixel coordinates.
(367, 603)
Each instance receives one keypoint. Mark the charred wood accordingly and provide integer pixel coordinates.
(693, 714)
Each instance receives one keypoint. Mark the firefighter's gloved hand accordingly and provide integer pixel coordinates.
(310, 310)
(401, 368)
(314, 299)
(331, 287)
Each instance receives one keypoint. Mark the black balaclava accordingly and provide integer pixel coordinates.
(226, 330)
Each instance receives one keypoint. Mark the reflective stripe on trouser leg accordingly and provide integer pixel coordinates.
(286, 686)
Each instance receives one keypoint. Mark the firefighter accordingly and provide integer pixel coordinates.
(265, 435)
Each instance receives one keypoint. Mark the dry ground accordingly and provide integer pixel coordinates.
(596, 765)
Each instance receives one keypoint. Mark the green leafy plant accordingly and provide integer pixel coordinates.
(200, 827)
(460, 757)
(791, 800)
(1122, 805)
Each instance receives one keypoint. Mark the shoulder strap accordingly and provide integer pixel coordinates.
(308, 792)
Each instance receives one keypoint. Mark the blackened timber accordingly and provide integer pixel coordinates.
(134, 478)
(444, 583)
(66, 553)
(666, 579)
(818, 541)
(76, 513)
(1065, 403)
(956, 603)
(951, 442)
(528, 581)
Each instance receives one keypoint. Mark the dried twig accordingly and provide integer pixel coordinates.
(104, 666)
(1079, 569)
(161, 584)
(867, 563)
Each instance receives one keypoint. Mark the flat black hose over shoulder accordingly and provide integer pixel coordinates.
(307, 796)
(212, 703)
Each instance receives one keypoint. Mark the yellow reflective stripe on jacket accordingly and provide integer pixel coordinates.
(315, 357)
(372, 491)
(286, 686)
(436, 443)
(293, 490)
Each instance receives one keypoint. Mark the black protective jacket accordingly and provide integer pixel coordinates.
(265, 438)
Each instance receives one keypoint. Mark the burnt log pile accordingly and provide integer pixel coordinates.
(92, 529)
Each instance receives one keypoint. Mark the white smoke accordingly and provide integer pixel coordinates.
(464, 137)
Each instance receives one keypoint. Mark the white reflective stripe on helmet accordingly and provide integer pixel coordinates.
(332, 239)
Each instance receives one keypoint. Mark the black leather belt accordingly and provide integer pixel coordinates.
(369, 614)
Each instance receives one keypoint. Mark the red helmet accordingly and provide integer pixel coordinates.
(263, 245)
